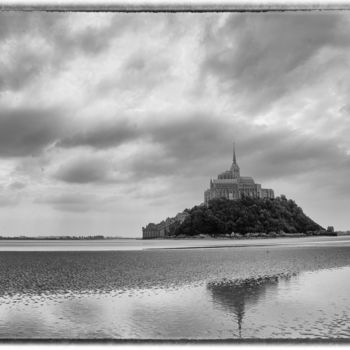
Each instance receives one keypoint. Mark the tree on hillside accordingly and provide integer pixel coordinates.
(223, 216)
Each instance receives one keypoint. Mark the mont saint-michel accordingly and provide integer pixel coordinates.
(236, 204)
(110, 120)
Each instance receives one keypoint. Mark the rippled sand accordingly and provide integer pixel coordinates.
(218, 293)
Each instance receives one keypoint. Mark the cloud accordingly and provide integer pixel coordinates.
(23, 66)
(86, 169)
(103, 135)
(259, 58)
(164, 145)
(34, 43)
(74, 202)
(197, 146)
(193, 145)
(17, 185)
(27, 131)
(145, 70)
(16, 23)
(286, 154)
(149, 105)
(37, 42)
(27, 50)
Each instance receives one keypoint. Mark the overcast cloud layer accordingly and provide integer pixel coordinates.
(109, 121)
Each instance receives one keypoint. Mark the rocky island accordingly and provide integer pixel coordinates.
(245, 217)
(236, 206)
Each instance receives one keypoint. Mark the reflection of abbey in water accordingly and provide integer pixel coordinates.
(231, 185)
(238, 295)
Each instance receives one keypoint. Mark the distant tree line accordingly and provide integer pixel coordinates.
(246, 215)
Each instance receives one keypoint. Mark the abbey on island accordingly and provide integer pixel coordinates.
(229, 184)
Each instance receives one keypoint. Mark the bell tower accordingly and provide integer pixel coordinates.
(234, 167)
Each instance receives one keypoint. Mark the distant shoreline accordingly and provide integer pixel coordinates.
(170, 238)
(63, 238)
(245, 237)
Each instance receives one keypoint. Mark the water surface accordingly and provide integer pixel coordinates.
(255, 292)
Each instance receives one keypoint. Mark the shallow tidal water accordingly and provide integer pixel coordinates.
(258, 292)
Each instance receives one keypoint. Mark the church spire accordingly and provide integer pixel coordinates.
(234, 167)
(234, 153)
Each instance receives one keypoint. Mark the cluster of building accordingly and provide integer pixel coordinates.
(231, 185)
(164, 228)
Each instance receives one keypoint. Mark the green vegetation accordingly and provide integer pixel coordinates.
(247, 215)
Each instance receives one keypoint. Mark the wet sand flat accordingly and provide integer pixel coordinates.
(274, 291)
(104, 271)
(139, 244)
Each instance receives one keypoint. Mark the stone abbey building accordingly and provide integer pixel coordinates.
(231, 185)
(164, 228)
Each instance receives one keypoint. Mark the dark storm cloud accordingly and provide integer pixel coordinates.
(102, 135)
(192, 145)
(195, 145)
(16, 23)
(90, 40)
(285, 154)
(84, 170)
(75, 202)
(200, 146)
(17, 185)
(186, 141)
(181, 135)
(299, 158)
(94, 40)
(62, 44)
(26, 132)
(192, 137)
(262, 57)
(26, 64)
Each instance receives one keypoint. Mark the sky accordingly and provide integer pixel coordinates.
(109, 121)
